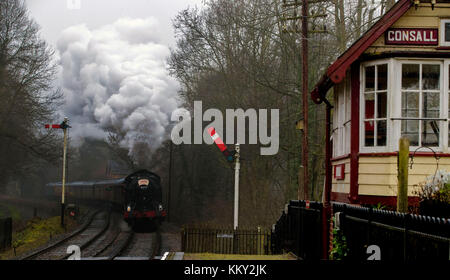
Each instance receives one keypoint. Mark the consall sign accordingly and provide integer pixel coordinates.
(411, 36)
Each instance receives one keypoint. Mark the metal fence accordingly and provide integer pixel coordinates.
(5, 233)
(398, 236)
(299, 230)
(198, 239)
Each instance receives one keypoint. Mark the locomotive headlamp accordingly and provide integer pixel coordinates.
(143, 182)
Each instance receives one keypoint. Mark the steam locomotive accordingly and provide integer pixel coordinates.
(139, 195)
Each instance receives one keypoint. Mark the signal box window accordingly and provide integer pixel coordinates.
(375, 105)
(445, 32)
(420, 90)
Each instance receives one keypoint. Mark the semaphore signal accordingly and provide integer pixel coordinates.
(64, 125)
(221, 145)
(231, 156)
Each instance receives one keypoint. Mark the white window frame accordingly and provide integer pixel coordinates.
(445, 104)
(398, 100)
(393, 125)
(442, 33)
(375, 149)
(341, 118)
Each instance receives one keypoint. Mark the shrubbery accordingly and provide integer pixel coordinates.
(434, 195)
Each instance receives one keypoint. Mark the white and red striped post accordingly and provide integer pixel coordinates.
(223, 148)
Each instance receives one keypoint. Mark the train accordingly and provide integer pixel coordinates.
(138, 195)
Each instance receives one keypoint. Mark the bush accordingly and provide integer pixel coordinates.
(339, 242)
(434, 195)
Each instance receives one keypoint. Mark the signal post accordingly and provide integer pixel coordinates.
(64, 126)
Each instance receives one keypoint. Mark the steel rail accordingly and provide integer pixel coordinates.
(93, 238)
(59, 242)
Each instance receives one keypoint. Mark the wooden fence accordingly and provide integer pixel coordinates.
(226, 241)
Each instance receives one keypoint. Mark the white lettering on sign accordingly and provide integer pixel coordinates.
(224, 235)
(412, 36)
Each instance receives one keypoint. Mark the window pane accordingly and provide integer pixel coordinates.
(447, 32)
(430, 76)
(370, 78)
(430, 105)
(369, 133)
(410, 129)
(370, 105)
(382, 104)
(381, 133)
(410, 76)
(382, 77)
(410, 104)
(430, 133)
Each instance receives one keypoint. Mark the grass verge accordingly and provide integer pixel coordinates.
(36, 233)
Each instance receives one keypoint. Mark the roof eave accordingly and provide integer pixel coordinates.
(336, 71)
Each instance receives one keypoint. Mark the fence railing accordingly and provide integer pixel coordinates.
(226, 241)
(398, 236)
(299, 230)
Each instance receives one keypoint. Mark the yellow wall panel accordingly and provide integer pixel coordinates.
(377, 160)
(378, 175)
(440, 10)
(377, 179)
(365, 168)
(341, 188)
(415, 21)
(382, 190)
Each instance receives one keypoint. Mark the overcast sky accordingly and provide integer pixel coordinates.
(55, 15)
(112, 64)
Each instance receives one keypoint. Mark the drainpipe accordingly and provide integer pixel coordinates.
(326, 211)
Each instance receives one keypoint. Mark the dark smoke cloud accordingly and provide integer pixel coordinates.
(116, 77)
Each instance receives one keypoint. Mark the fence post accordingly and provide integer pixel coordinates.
(301, 250)
(403, 161)
(369, 221)
(405, 237)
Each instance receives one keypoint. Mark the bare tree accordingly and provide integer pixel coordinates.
(26, 91)
(246, 54)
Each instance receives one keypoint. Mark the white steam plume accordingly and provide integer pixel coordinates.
(116, 77)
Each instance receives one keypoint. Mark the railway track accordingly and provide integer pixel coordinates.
(92, 229)
(142, 245)
(104, 236)
(132, 245)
